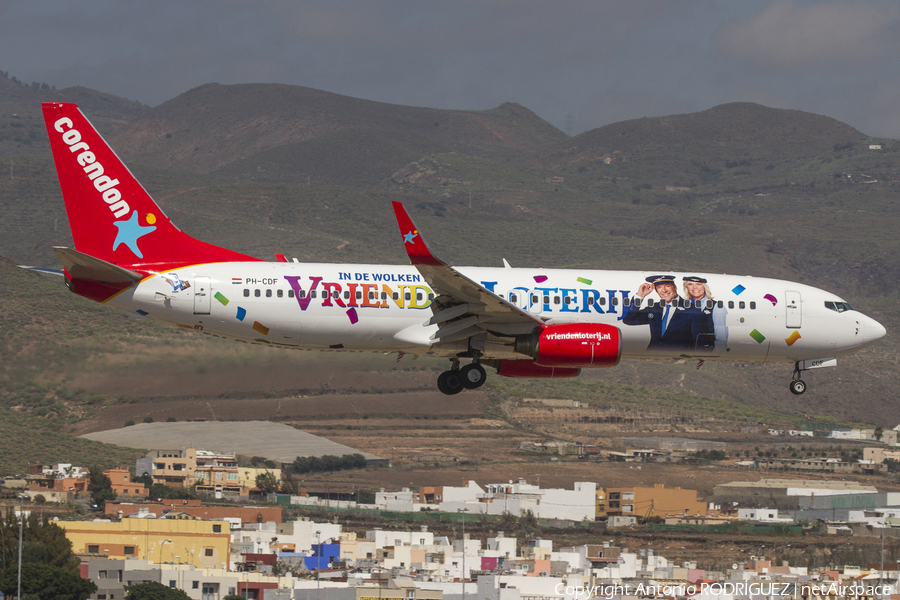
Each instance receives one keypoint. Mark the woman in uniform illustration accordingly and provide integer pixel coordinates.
(696, 289)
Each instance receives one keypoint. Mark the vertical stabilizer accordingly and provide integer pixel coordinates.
(112, 216)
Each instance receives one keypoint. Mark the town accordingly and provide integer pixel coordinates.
(200, 522)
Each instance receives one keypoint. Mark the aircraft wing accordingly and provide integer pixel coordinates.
(463, 307)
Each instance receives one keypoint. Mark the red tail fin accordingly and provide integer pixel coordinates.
(112, 217)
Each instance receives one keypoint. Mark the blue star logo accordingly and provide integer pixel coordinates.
(408, 238)
(130, 231)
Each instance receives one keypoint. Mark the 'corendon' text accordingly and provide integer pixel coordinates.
(93, 169)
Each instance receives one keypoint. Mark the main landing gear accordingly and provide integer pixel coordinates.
(456, 380)
(798, 386)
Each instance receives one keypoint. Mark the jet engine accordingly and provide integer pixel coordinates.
(573, 345)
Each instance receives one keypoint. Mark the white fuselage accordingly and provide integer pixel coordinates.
(383, 308)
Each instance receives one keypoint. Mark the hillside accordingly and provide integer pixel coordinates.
(213, 125)
(22, 128)
(766, 192)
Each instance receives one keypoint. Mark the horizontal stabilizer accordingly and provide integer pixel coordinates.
(43, 270)
(83, 266)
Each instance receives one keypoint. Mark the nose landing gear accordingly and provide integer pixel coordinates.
(455, 380)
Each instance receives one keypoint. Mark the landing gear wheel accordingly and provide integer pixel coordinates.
(798, 386)
(449, 382)
(473, 376)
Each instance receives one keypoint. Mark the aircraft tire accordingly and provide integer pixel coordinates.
(473, 376)
(450, 382)
(798, 386)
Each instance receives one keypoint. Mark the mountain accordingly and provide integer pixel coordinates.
(685, 150)
(214, 125)
(740, 188)
(22, 128)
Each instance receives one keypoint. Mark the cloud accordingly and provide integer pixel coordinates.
(791, 35)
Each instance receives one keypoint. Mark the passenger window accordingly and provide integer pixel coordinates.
(395, 295)
(408, 296)
(312, 294)
(291, 293)
(359, 295)
(418, 296)
(753, 306)
(651, 303)
(731, 304)
(384, 295)
(534, 299)
(546, 299)
(337, 295)
(721, 304)
(257, 293)
(614, 301)
(346, 295)
(741, 304)
(710, 304)
(268, 293)
(431, 296)
(567, 301)
(280, 293)
(556, 300)
(246, 293)
(371, 295)
(513, 298)
(602, 301)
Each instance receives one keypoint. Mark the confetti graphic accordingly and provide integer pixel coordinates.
(585, 281)
(354, 318)
(259, 327)
(738, 290)
(760, 338)
(789, 340)
(221, 298)
(540, 278)
(771, 299)
(241, 313)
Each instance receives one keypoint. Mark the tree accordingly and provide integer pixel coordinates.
(158, 490)
(46, 582)
(267, 482)
(100, 486)
(43, 542)
(153, 591)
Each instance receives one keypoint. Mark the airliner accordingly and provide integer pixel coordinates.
(522, 322)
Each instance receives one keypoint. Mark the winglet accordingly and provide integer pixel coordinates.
(416, 248)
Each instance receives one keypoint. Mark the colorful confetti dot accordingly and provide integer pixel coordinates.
(354, 318)
(789, 340)
(738, 289)
(259, 327)
(221, 298)
(760, 338)
(241, 313)
(771, 299)
(585, 281)
(540, 278)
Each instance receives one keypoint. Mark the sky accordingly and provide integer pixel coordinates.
(578, 64)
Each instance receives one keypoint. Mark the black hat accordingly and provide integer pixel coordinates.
(694, 278)
(658, 279)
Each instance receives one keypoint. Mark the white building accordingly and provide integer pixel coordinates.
(519, 497)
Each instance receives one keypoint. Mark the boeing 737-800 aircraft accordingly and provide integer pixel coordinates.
(523, 322)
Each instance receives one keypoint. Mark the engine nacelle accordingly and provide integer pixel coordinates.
(527, 368)
(576, 345)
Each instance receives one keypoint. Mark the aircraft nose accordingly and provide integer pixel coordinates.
(872, 331)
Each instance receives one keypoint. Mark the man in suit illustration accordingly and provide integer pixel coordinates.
(674, 325)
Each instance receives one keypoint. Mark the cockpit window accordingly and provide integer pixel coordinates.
(838, 306)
